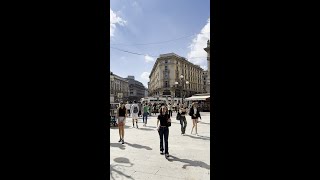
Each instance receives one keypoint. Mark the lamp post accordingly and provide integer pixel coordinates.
(182, 81)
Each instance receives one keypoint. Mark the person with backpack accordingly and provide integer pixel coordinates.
(121, 114)
(135, 112)
(145, 114)
(163, 130)
(195, 115)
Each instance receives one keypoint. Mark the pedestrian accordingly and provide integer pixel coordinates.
(163, 130)
(183, 121)
(170, 109)
(145, 114)
(128, 108)
(135, 112)
(121, 114)
(140, 109)
(150, 109)
(195, 115)
(177, 108)
(155, 109)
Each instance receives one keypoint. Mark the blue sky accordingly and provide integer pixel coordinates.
(135, 22)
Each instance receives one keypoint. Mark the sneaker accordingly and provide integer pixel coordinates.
(167, 155)
(120, 140)
(161, 152)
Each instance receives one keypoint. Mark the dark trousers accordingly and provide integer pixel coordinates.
(164, 133)
(145, 115)
(183, 123)
(170, 113)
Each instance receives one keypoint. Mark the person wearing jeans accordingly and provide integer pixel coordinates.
(163, 130)
(145, 114)
(183, 121)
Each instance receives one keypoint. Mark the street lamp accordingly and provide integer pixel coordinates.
(181, 82)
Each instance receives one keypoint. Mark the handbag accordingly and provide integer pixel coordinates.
(178, 117)
(169, 122)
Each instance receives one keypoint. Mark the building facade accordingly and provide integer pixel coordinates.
(165, 77)
(205, 78)
(136, 89)
(119, 88)
(207, 49)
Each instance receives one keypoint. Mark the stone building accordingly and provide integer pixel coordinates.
(207, 49)
(205, 77)
(136, 89)
(119, 88)
(165, 77)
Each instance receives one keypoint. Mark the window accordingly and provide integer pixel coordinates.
(166, 61)
(166, 84)
(165, 67)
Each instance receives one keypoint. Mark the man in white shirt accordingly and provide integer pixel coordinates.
(128, 108)
(134, 113)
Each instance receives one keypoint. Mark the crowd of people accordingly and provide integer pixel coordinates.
(136, 110)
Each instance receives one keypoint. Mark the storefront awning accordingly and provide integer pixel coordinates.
(197, 98)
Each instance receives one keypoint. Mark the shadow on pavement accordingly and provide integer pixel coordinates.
(118, 145)
(122, 160)
(198, 137)
(147, 129)
(189, 162)
(151, 126)
(138, 146)
(113, 170)
(203, 122)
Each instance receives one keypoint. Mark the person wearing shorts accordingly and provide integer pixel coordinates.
(121, 114)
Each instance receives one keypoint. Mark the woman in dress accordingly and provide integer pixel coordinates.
(195, 115)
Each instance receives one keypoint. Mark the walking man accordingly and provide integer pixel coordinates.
(127, 106)
(145, 114)
(183, 121)
(134, 114)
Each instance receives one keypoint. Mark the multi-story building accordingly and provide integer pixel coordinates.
(207, 49)
(136, 89)
(205, 78)
(119, 88)
(175, 76)
(146, 92)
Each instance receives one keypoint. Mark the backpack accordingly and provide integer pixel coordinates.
(135, 109)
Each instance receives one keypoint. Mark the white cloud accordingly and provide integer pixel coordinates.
(145, 78)
(197, 54)
(114, 20)
(148, 58)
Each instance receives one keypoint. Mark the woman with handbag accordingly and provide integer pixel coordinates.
(195, 115)
(163, 129)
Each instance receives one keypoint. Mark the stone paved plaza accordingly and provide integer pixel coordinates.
(140, 158)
